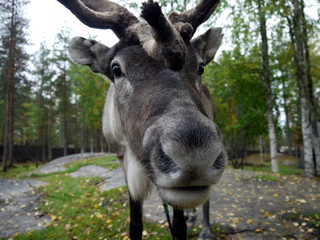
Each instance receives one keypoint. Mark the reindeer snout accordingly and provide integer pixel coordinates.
(190, 155)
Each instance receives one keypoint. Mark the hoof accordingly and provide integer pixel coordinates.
(206, 235)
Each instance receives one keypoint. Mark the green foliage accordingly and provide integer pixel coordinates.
(13, 39)
(236, 77)
(65, 102)
(60, 98)
(167, 6)
(90, 90)
(239, 98)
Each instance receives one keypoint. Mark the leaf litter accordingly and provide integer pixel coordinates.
(243, 206)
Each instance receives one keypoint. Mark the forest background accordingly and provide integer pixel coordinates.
(265, 84)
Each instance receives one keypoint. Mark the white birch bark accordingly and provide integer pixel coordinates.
(316, 144)
(268, 89)
(273, 143)
(302, 83)
(307, 138)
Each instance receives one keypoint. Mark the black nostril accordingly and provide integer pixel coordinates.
(165, 163)
(194, 135)
(220, 162)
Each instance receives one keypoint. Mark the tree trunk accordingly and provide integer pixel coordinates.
(302, 83)
(91, 142)
(82, 144)
(50, 129)
(7, 160)
(39, 127)
(313, 105)
(64, 117)
(287, 122)
(101, 141)
(307, 137)
(268, 89)
(261, 150)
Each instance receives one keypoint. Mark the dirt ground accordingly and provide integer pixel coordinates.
(243, 206)
(246, 208)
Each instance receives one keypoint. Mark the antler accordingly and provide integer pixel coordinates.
(103, 15)
(195, 16)
(159, 38)
(166, 43)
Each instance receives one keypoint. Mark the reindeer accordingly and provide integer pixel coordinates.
(158, 113)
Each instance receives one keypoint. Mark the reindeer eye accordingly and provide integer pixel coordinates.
(116, 69)
(201, 69)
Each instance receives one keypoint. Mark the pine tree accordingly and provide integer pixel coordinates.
(45, 102)
(13, 39)
(63, 85)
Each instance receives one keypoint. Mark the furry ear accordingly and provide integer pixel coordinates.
(208, 44)
(90, 53)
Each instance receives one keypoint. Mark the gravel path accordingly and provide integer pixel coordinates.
(244, 206)
(19, 207)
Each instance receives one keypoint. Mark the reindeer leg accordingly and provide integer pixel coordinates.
(206, 233)
(135, 219)
(179, 225)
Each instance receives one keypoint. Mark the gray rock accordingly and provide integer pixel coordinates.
(57, 165)
(115, 179)
(18, 204)
(91, 171)
(16, 188)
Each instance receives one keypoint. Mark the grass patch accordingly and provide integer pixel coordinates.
(80, 211)
(21, 169)
(283, 170)
(287, 164)
(18, 171)
(217, 229)
(267, 178)
(308, 222)
(314, 219)
(107, 162)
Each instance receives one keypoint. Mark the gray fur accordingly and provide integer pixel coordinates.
(147, 110)
(150, 104)
(158, 114)
(208, 44)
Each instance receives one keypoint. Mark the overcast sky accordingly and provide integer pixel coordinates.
(48, 17)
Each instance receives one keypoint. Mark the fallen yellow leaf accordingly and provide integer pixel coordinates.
(249, 221)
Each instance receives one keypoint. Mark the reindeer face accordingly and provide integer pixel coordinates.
(157, 109)
(167, 128)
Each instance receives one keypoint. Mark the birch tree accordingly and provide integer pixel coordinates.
(303, 91)
(311, 98)
(267, 83)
